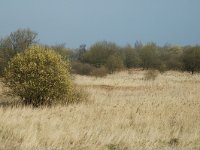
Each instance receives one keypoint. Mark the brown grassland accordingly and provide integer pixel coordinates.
(124, 112)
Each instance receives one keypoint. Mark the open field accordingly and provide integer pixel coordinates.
(124, 112)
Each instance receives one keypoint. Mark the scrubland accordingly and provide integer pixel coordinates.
(124, 112)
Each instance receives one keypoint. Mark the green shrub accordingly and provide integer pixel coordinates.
(40, 76)
(114, 63)
(82, 68)
(98, 53)
(150, 56)
(191, 59)
(132, 59)
(99, 72)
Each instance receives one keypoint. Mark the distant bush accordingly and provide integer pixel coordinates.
(171, 57)
(87, 69)
(82, 68)
(150, 56)
(99, 72)
(99, 53)
(114, 63)
(191, 59)
(150, 75)
(131, 59)
(40, 77)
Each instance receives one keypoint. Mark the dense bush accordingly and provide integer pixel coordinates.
(82, 68)
(99, 53)
(114, 63)
(150, 56)
(40, 76)
(171, 57)
(131, 59)
(191, 59)
(87, 69)
(99, 72)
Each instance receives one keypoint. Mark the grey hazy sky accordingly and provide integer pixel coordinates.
(122, 21)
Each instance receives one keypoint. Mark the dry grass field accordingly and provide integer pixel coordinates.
(124, 112)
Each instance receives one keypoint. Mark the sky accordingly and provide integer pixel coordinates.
(76, 22)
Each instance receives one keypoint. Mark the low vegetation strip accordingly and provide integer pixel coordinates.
(130, 88)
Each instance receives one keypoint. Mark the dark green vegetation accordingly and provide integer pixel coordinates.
(191, 59)
(149, 56)
(107, 57)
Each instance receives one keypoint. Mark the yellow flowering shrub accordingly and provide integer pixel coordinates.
(40, 77)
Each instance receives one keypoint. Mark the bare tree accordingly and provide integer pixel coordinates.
(16, 42)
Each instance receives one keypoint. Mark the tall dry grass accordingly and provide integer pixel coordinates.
(125, 112)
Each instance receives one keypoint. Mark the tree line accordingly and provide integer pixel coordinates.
(107, 57)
